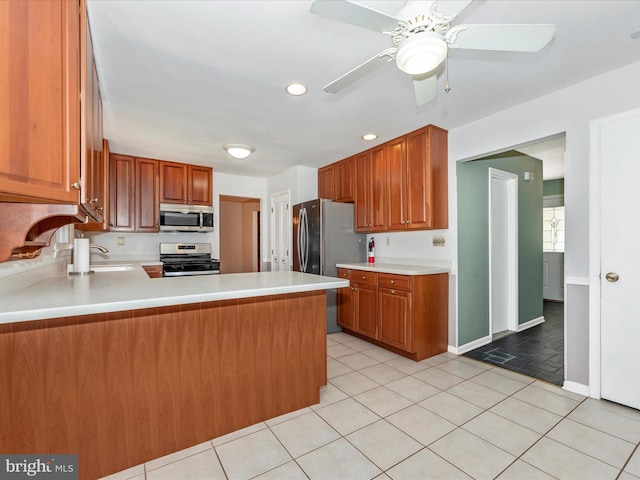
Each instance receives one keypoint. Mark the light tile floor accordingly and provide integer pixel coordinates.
(382, 416)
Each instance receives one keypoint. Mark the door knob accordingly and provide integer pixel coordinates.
(612, 277)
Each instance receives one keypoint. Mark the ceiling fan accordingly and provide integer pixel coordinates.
(422, 33)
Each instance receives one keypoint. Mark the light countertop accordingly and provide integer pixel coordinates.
(65, 295)
(397, 268)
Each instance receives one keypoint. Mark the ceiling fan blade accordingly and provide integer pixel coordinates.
(360, 71)
(426, 88)
(512, 38)
(355, 14)
(449, 7)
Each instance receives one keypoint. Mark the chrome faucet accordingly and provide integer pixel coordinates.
(100, 247)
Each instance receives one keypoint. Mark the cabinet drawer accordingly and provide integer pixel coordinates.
(362, 276)
(401, 282)
(344, 273)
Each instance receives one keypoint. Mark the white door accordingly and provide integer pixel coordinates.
(620, 259)
(280, 232)
(503, 250)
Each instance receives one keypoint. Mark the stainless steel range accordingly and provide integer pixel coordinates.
(182, 259)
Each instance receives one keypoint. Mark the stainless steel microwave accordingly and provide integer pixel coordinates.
(185, 218)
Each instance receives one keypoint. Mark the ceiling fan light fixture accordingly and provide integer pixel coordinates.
(238, 150)
(421, 53)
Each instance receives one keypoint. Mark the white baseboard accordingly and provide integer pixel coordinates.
(530, 323)
(574, 387)
(467, 347)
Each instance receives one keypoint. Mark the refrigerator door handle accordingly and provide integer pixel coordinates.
(300, 239)
(304, 241)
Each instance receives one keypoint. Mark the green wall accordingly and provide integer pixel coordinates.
(553, 187)
(473, 242)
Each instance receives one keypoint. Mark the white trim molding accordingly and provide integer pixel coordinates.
(578, 388)
(530, 323)
(467, 347)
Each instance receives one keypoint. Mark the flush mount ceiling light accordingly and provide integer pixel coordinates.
(369, 136)
(238, 150)
(420, 54)
(296, 89)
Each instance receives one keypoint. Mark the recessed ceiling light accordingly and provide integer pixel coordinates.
(369, 136)
(296, 89)
(238, 150)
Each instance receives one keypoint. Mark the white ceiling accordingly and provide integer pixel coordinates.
(179, 79)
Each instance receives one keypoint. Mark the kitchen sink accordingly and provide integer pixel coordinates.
(123, 267)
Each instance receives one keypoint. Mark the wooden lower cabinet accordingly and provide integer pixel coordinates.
(395, 310)
(407, 314)
(122, 388)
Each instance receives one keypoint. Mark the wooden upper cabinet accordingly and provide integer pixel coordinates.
(396, 192)
(427, 179)
(344, 172)
(417, 180)
(121, 185)
(93, 194)
(326, 183)
(147, 205)
(134, 187)
(186, 184)
(173, 182)
(362, 192)
(200, 183)
(39, 124)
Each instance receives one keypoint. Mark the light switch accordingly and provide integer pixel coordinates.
(438, 241)
(121, 241)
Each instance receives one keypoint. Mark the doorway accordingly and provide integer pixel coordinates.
(239, 234)
(534, 345)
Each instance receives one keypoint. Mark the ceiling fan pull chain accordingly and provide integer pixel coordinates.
(447, 87)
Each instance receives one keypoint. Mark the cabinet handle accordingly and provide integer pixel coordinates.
(93, 200)
(393, 292)
(363, 277)
(393, 282)
(99, 209)
(76, 185)
(345, 275)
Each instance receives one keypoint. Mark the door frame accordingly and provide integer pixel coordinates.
(511, 180)
(595, 230)
(288, 227)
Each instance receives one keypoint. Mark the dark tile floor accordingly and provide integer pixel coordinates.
(536, 352)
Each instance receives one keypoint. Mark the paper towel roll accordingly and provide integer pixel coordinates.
(81, 255)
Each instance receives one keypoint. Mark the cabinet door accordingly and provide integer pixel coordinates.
(39, 124)
(326, 182)
(377, 205)
(344, 176)
(362, 196)
(173, 182)
(200, 185)
(396, 325)
(347, 308)
(366, 318)
(419, 201)
(121, 180)
(147, 207)
(396, 157)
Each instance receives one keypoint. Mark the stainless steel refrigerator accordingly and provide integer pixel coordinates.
(322, 237)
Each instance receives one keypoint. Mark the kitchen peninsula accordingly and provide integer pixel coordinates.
(121, 368)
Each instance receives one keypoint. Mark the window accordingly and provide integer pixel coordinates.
(553, 229)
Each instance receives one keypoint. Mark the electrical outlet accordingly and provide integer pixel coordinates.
(121, 241)
(438, 241)
(387, 241)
